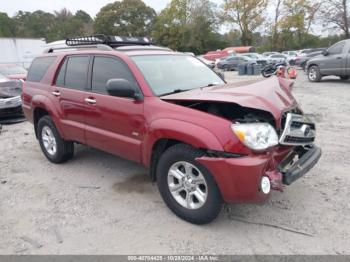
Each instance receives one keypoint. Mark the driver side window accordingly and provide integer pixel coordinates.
(336, 49)
(106, 68)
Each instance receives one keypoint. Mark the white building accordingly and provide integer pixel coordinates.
(20, 51)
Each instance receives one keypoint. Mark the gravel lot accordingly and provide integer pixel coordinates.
(101, 204)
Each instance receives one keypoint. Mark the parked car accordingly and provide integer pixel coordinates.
(209, 63)
(10, 100)
(13, 71)
(218, 60)
(333, 61)
(266, 54)
(290, 53)
(232, 63)
(260, 59)
(302, 60)
(205, 141)
(277, 58)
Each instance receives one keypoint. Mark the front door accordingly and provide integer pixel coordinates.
(113, 124)
(334, 62)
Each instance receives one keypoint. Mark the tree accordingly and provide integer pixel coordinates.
(37, 24)
(336, 12)
(170, 26)
(68, 25)
(247, 15)
(125, 18)
(188, 25)
(291, 24)
(7, 26)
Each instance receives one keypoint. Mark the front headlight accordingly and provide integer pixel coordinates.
(256, 136)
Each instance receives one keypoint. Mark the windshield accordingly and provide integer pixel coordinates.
(12, 70)
(167, 74)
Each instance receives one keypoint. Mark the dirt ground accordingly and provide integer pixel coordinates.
(101, 204)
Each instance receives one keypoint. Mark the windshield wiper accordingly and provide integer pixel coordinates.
(208, 85)
(174, 92)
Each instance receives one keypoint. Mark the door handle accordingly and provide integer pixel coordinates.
(56, 93)
(339, 57)
(90, 101)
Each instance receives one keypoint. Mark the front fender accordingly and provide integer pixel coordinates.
(183, 131)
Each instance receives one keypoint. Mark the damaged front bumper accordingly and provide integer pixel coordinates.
(239, 179)
(298, 163)
(11, 110)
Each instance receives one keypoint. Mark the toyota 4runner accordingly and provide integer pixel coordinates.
(205, 142)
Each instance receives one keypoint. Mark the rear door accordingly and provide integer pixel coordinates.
(334, 63)
(68, 91)
(113, 124)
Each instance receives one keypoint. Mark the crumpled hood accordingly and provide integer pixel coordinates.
(10, 89)
(272, 95)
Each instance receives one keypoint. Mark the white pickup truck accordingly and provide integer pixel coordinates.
(333, 61)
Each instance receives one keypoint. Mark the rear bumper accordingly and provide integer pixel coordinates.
(239, 179)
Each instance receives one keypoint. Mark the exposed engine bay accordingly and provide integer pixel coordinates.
(10, 89)
(232, 112)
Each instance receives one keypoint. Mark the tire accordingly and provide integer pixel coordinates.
(194, 210)
(225, 68)
(264, 74)
(344, 77)
(52, 144)
(314, 74)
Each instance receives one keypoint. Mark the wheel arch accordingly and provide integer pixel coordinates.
(166, 133)
(42, 106)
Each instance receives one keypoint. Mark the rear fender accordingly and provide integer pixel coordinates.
(40, 101)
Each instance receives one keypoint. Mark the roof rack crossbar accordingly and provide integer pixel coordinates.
(112, 41)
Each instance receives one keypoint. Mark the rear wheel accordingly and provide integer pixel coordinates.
(344, 77)
(314, 74)
(54, 147)
(265, 73)
(186, 186)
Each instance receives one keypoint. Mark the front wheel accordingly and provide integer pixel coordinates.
(186, 186)
(314, 74)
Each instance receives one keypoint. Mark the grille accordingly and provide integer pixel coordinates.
(297, 140)
(297, 130)
(14, 111)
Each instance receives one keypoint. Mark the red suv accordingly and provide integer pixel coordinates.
(205, 142)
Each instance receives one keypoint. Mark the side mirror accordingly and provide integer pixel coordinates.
(325, 52)
(121, 88)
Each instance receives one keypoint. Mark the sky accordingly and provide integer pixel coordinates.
(92, 7)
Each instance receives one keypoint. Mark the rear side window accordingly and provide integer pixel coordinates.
(106, 68)
(61, 74)
(76, 70)
(39, 68)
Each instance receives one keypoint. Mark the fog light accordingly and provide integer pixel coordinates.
(265, 185)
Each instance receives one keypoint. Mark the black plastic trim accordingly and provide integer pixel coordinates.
(307, 160)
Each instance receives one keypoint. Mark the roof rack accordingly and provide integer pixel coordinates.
(112, 41)
(101, 47)
(106, 43)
